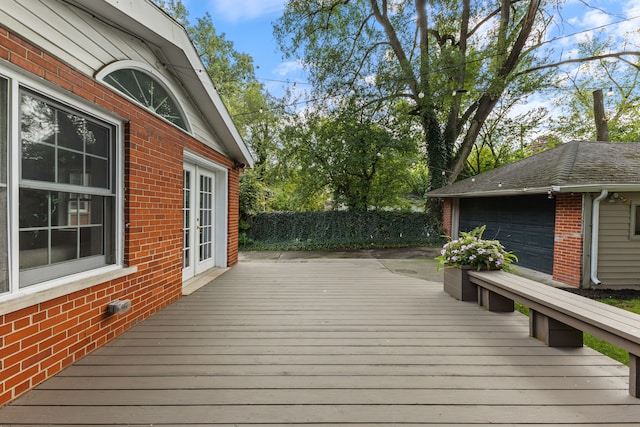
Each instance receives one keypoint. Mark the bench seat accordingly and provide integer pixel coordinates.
(559, 318)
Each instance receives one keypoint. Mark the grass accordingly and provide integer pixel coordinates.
(597, 344)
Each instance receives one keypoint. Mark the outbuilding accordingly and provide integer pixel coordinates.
(572, 212)
(119, 177)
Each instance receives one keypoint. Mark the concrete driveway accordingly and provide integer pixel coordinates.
(413, 262)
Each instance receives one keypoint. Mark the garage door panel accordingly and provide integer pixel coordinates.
(524, 225)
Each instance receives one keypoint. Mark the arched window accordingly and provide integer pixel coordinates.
(146, 87)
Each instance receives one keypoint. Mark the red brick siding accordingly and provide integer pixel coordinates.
(39, 341)
(234, 217)
(567, 257)
(447, 216)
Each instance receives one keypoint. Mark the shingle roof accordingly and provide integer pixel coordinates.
(577, 165)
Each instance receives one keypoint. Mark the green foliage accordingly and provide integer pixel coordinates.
(424, 62)
(612, 351)
(356, 161)
(253, 194)
(340, 229)
(619, 81)
(471, 249)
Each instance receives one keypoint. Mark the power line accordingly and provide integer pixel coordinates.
(439, 70)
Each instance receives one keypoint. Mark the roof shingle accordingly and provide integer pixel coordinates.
(574, 164)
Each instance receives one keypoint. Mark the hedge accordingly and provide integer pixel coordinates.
(339, 229)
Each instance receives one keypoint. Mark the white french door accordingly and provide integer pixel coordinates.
(198, 247)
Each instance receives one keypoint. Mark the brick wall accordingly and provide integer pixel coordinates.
(568, 244)
(447, 216)
(39, 341)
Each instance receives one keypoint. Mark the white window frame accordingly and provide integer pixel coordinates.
(635, 219)
(17, 297)
(145, 68)
(221, 202)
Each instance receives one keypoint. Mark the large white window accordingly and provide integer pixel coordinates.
(60, 203)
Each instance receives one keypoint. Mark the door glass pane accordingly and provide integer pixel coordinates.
(186, 214)
(206, 217)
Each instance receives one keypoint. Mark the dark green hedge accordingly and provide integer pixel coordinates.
(339, 229)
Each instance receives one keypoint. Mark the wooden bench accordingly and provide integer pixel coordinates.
(558, 318)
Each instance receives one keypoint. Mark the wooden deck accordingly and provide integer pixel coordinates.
(330, 342)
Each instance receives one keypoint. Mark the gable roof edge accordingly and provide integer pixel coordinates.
(147, 21)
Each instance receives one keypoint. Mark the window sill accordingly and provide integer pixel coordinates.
(39, 294)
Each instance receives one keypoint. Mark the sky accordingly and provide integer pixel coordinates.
(248, 24)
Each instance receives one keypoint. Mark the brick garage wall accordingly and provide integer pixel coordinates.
(39, 341)
(447, 216)
(568, 243)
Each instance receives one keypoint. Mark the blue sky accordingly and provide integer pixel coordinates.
(248, 24)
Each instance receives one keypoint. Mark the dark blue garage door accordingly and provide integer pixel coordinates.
(524, 225)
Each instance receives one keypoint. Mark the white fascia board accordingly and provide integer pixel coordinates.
(495, 193)
(146, 21)
(595, 188)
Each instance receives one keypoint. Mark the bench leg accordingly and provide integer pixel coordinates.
(634, 375)
(552, 332)
(494, 302)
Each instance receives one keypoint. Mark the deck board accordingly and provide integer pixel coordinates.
(329, 342)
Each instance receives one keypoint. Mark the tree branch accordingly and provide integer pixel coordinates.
(396, 45)
(618, 55)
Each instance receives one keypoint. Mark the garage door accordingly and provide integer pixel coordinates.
(524, 225)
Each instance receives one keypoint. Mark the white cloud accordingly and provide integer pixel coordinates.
(245, 10)
(288, 68)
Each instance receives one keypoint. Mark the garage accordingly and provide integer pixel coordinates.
(523, 224)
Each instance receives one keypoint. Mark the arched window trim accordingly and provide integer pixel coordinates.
(159, 78)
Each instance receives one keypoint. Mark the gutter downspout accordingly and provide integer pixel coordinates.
(595, 231)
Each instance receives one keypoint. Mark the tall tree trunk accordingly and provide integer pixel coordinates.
(438, 155)
(602, 127)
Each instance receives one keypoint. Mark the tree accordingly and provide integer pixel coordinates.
(357, 159)
(618, 81)
(502, 139)
(256, 114)
(448, 62)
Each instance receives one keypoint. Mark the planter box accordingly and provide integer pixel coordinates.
(457, 284)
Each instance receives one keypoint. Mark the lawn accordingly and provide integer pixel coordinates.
(604, 347)
(597, 344)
